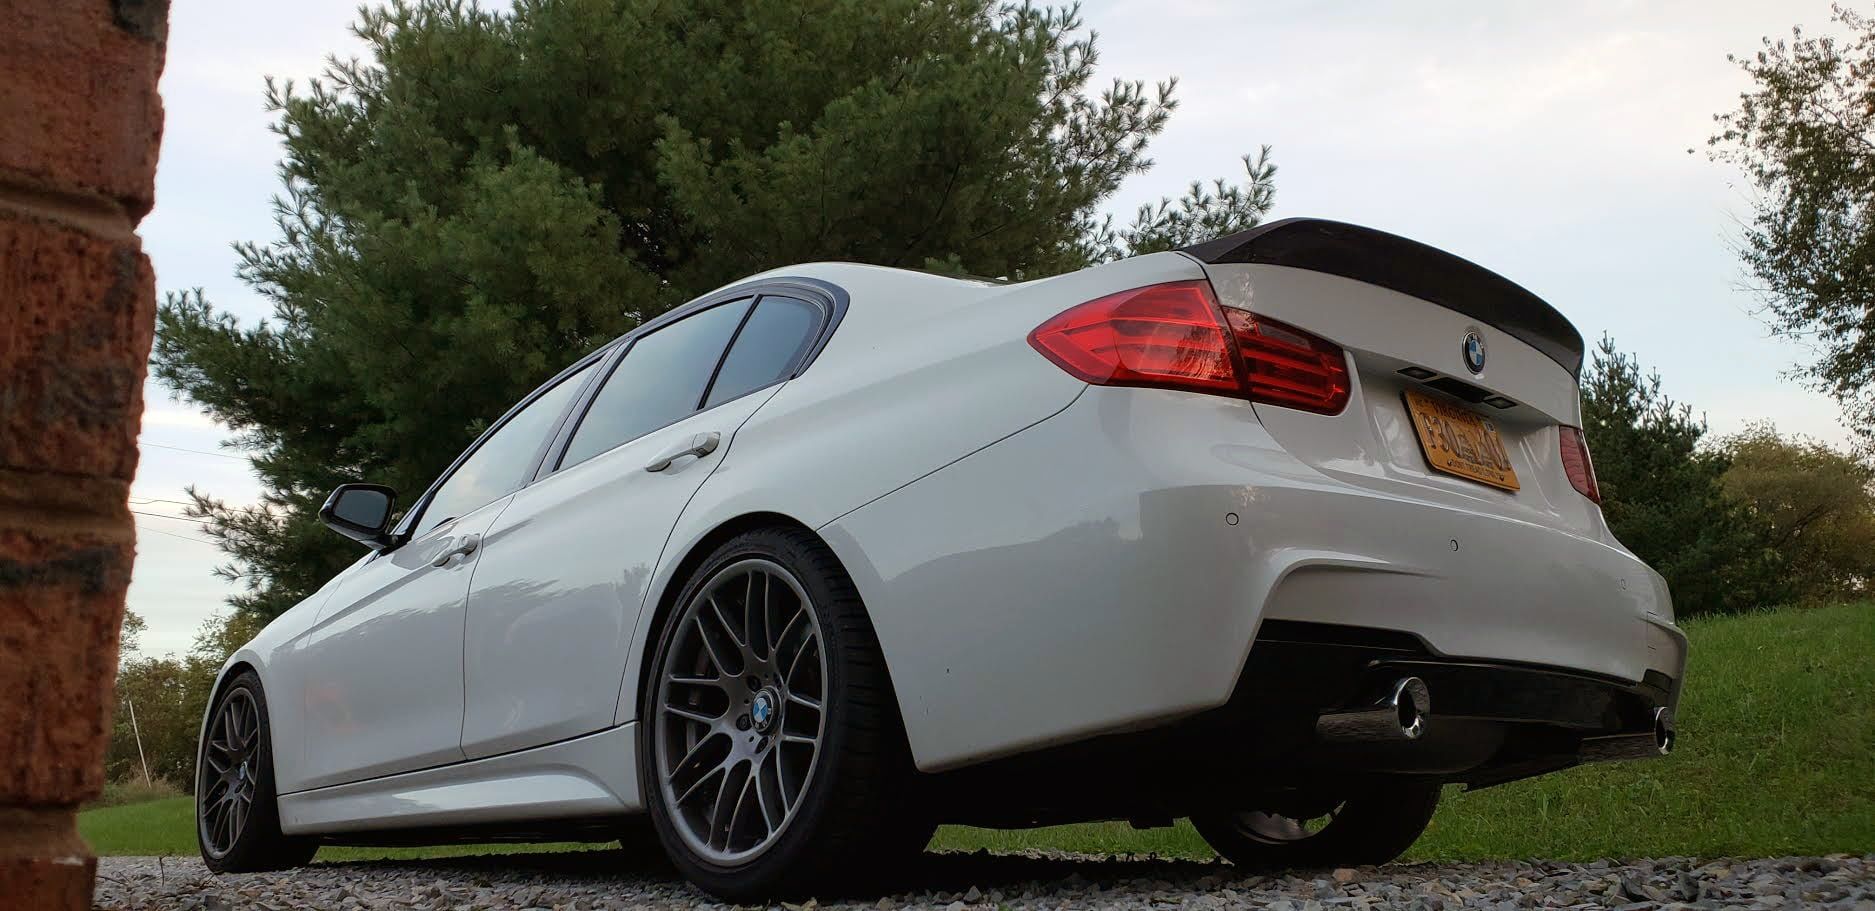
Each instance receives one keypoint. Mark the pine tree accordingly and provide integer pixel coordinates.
(487, 195)
(1663, 496)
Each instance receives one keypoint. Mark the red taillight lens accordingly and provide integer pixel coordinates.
(1175, 336)
(1576, 463)
(1160, 335)
(1285, 366)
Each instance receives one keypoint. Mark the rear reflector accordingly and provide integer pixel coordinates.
(1175, 336)
(1576, 463)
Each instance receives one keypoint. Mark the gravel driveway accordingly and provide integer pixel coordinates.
(981, 882)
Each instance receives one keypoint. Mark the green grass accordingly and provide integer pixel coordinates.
(1776, 756)
(133, 790)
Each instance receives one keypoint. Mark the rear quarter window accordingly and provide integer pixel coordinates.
(769, 347)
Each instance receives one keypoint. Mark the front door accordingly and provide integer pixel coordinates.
(383, 663)
(383, 690)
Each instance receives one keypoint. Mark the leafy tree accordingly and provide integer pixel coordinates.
(1819, 504)
(169, 694)
(130, 635)
(1805, 136)
(487, 195)
(1662, 494)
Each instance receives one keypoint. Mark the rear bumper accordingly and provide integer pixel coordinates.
(1109, 569)
(1489, 723)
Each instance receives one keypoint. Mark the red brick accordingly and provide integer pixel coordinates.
(43, 863)
(79, 124)
(61, 598)
(78, 104)
(76, 313)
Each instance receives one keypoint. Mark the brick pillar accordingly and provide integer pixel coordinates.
(79, 124)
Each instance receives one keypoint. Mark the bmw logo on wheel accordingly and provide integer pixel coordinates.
(1474, 352)
(762, 711)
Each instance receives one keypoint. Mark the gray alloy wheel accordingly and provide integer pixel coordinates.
(230, 773)
(740, 711)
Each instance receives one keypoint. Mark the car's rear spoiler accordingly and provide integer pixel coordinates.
(1406, 266)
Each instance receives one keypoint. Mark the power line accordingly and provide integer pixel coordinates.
(172, 534)
(219, 455)
(159, 515)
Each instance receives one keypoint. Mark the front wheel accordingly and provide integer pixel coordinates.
(772, 755)
(237, 820)
(1372, 826)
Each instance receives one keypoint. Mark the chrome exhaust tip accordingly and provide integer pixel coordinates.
(1401, 715)
(1412, 703)
(1664, 731)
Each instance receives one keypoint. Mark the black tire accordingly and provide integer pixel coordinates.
(256, 842)
(1369, 828)
(852, 819)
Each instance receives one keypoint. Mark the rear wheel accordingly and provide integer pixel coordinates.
(1369, 827)
(237, 819)
(772, 756)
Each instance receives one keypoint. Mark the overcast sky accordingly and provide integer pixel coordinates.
(1547, 141)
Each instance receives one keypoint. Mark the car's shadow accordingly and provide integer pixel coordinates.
(929, 872)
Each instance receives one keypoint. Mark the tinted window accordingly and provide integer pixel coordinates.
(504, 460)
(660, 380)
(769, 345)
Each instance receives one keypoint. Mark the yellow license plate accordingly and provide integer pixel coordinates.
(1459, 441)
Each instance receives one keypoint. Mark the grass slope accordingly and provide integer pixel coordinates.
(1777, 756)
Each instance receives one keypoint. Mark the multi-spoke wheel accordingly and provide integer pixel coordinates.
(228, 759)
(741, 710)
(237, 821)
(771, 749)
(1370, 827)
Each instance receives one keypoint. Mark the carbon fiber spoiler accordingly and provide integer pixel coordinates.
(1406, 266)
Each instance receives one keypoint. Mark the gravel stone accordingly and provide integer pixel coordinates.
(1041, 880)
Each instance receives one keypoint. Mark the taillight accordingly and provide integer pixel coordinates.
(1160, 335)
(1175, 336)
(1576, 463)
(1285, 366)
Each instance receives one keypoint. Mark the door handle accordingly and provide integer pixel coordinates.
(467, 547)
(700, 445)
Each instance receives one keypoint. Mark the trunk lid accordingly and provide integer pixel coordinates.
(1410, 318)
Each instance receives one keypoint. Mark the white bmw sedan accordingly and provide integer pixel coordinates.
(1281, 532)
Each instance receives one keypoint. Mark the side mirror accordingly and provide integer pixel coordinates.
(361, 512)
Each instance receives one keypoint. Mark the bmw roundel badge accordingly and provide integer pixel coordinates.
(1474, 352)
(762, 711)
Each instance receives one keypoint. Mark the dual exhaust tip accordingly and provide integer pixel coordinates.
(1402, 714)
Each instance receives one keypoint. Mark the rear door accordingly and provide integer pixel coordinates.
(560, 589)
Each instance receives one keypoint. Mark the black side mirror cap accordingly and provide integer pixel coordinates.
(361, 512)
